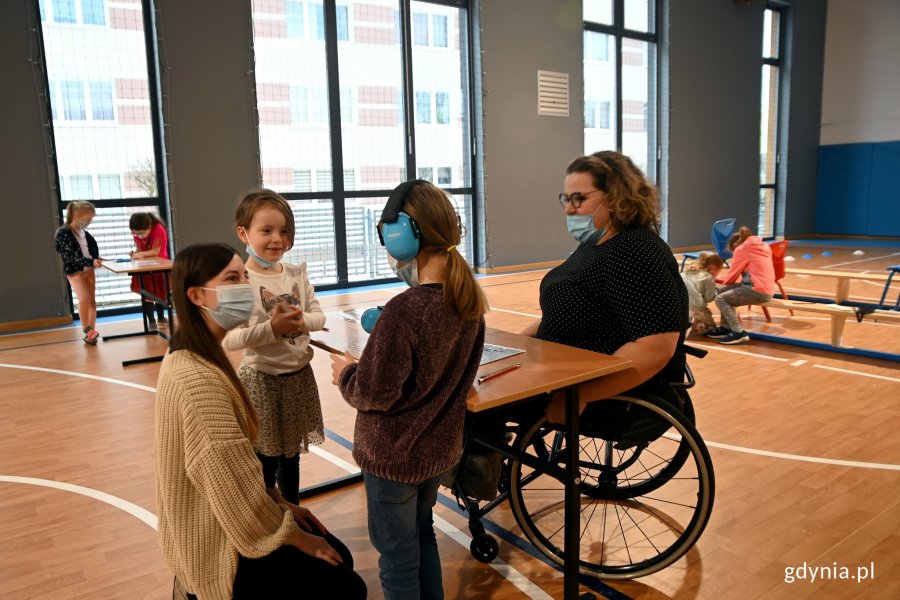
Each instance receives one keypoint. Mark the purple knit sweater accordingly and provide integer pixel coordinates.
(410, 387)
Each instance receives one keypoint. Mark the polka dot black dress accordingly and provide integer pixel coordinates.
(605, 296)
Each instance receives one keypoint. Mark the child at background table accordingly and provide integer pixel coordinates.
(80, 256)
(275, 369)
(151, 241)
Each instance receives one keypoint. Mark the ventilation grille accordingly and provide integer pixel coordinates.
(553, 94)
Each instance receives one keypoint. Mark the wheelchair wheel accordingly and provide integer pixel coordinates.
(642, 506)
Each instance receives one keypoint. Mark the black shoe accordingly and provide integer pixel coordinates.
(718, 332)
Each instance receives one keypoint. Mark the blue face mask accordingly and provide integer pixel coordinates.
(235, 305)
(408, 273)
(265, 264)
(582, 228)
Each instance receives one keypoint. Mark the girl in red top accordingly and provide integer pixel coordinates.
(751, 280)
(151, 240)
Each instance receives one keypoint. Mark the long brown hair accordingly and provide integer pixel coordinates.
(632, 200)
(739, 238)
(441, 233)
(140, 221)
(256, 199)
(78, 207)
(194, 266)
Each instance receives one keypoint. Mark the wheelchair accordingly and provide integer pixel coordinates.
(646, 479)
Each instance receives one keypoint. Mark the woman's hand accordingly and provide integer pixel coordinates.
(316, 546)
(338, 364)
(286, 319)
(305, 519)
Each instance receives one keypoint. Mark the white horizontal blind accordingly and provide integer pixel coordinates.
(553, 94)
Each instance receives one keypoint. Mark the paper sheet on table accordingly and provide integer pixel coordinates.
(346, 333)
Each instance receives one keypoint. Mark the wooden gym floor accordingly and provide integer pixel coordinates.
(805, 443)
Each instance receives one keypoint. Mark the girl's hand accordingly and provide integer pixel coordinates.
(316, 546)
(286, 319)
(338, 364)
(98, 263)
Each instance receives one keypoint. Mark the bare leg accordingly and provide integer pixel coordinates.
(84, 285)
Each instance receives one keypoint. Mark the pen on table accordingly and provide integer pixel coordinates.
(498, 372)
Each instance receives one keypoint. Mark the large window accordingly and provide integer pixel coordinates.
(353, 98)
(620, 79)
(101, 99)
(769, 117)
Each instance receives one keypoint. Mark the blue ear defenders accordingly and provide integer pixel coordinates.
(398, 232)
(368, 318)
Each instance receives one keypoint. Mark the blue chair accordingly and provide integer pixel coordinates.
(887, 286)
(720, 233)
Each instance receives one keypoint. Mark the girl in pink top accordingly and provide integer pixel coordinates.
(751, 280)
(151, 240)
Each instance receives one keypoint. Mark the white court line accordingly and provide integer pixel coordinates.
(514, 312)
(512, 575)
(750, 354)
(335, 460)
(797, 363)
(860, 373)
(82, 375)
(853, 262)
(133, 509)
(802, 458)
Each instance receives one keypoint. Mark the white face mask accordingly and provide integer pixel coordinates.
(408, 273)
(235, 305)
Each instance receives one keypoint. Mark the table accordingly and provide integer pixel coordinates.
(546, 367)
(141, 268)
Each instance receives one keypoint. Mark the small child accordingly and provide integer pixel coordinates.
(275, 369)
(80, 256)
(150, 240)
(410, 385)
(700, 280)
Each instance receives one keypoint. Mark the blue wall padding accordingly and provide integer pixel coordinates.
(842, 189)
(884, 193)
(858, 189)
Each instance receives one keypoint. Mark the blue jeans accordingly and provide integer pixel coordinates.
(401, 529)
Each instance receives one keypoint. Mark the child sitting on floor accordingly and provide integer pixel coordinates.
(700, 280)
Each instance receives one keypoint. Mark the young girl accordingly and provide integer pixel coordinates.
(80, 257)
(700, 280)
(219, 531)
(151, 241)
(410, 386)
(275, 369)
(752, 265)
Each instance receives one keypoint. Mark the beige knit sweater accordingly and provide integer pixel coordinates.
(212, 499)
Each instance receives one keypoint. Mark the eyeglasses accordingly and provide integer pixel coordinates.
(575, 198)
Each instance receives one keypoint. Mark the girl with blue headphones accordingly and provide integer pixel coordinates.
(410, 385)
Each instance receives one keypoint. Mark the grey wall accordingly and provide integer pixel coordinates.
(33, 284)
(209, 108)
(800, 159)
(715, 58)
(525, 155)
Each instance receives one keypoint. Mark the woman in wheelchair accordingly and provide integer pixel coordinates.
(619, 292)
(645, 477)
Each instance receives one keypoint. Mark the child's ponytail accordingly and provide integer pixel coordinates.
(440, 235)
